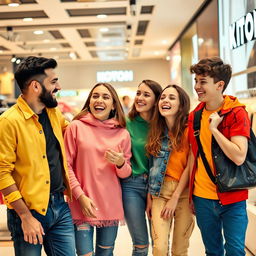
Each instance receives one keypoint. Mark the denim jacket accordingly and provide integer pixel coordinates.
(157, 167)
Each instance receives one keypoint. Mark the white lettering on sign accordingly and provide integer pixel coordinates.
(115, 76)
(243, 30)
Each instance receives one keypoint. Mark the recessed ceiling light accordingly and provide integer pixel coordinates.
(46, 40)
(104, 29)
(13, 59)
(72, 55)
(168, 58)
(38, 32)
(18, 61)
(28, 19)
(53, 49)
(156, 53)
(164, 41)
(1, 51)
(102, 16)
(13, 4)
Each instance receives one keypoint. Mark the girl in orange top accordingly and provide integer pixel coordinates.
(168, 197)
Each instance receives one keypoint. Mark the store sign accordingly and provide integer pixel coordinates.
(115, 76)
(67, 93)
(243, 30)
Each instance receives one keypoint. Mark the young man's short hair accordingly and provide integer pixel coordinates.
(215, 68)
(32, 68)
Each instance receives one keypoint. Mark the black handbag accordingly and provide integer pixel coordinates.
(229, 176)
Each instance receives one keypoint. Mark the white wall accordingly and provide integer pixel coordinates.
(83, 75)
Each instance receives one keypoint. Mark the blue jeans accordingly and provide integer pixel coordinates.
(59, 239)
(105, 237)
(214, 218)
(134, 189)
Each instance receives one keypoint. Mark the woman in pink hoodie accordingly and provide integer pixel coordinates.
(98, 151)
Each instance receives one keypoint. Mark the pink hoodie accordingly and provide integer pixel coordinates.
(86, 141)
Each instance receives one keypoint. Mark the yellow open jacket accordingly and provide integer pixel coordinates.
(23, 158)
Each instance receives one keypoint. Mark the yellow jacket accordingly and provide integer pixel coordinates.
(23, 158)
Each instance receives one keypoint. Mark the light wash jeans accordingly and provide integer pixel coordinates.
(215, 220)
(59, 239)
(183, 222)
(105, 237)
(134, 190)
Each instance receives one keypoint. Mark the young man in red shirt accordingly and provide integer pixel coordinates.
(220, 216)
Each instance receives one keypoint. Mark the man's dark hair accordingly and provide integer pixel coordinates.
(32, 68)
(215, 68)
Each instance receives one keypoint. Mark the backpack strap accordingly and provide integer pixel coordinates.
(196, 126)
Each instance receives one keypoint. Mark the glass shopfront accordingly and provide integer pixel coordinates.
(237, 32)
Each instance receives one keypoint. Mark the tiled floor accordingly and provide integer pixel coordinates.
(123, 245)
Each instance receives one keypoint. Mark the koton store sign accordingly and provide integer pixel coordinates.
(243, 30)
(115, 76)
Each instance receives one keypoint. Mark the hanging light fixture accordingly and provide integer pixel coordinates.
(13, 59)
(132, 7)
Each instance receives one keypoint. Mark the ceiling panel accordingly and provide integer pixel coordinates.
(25, 36)
(142, 27)
(21, 15)
(98, 11)
(56, 34)
(148, 9)
(3, 48)
(93, 30)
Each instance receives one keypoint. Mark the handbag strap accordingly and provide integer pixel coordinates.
(196, 126)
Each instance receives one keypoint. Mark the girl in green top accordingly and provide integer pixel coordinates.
(134, 188)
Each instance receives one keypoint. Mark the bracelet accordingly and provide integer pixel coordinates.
(13, 196)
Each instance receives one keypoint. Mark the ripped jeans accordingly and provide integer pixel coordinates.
(134, 190)
(105, 240)
(183, 223)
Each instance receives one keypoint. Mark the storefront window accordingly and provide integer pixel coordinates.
(234, 49)
(208, 32)
(175, 64)
(189, 56)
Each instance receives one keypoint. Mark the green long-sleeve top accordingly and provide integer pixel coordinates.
(138, 129)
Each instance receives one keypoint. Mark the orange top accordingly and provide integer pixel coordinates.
(178, 160)
(204, 187)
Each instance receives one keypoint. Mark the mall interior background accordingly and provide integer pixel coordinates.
(226, 28)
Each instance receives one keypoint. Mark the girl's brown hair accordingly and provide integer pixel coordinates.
(159, 126)
(117, 113)
(155, 87)
(215, 68)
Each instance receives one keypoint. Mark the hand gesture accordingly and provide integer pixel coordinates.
(114, 157)
(32, 229)
(215, 120)
(88, 207)
(169, 208)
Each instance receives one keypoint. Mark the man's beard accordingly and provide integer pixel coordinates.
(47, 99)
